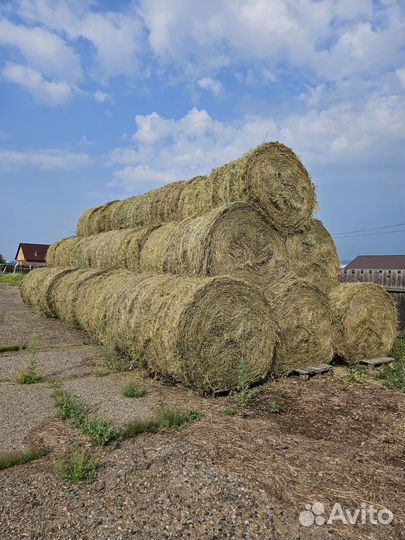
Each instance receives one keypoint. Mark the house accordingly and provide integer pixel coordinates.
(385, 270)
(31, 254)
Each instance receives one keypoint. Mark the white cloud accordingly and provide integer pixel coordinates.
(333, 38)
(115, 36)
(46, 159)
(212, 85)
(102, 97)
(166, 149)
(44, 51)
(48, 92)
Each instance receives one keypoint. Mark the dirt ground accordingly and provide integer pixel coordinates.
(244, 476)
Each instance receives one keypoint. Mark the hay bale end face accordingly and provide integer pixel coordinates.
(303, 315)
(365, 321)
(312, 255)
(271, 177)
(193, 330)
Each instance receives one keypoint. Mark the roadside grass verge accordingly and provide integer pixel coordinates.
(11, 459)
(102, 432)
(11, 279)
(78, 467)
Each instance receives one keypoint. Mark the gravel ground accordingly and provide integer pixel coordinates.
(55, 363)
(103, 396)
(243, 476)
(22, 411)
(20, 325)
(150, 488)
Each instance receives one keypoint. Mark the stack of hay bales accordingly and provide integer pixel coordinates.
(195, 277)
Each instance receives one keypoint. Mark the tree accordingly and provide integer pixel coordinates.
(2, 259)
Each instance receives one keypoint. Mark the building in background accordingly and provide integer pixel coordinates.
(31, 254)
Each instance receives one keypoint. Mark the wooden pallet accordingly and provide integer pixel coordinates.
(372, 363)
(306, 373)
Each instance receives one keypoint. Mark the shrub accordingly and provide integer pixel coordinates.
(80, 466)
(244, 394)
(132, 390)
(394, 374)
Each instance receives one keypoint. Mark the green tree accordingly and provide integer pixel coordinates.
(2, 259)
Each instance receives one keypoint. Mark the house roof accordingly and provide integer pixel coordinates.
(33, 252)
(377, 262)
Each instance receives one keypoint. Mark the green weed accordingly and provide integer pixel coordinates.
(12, 459)
(80, 466)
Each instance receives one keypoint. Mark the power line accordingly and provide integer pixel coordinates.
(370, 229)
(368, 234)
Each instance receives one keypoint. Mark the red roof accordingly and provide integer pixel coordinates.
(33, 252)
(377, 262)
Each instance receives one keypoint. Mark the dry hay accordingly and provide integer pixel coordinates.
(193, 330)
(271, 176)
(365, 321)
(302, 312)
(312, 255)
(36, 288)
(235, 240)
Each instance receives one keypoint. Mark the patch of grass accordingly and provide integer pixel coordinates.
(70, 407)
(11, 348)
(357, 375)
(11, 279)
(100, 430)
(54, 383)
(394, 374)
(80, 466)
(12, 459)
(229, 412)
(244, 394)
(275, 407)
(31, 375)
(102, 372)
(169, 419)
(132, 390)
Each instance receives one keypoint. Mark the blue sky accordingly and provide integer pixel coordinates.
(102, 100)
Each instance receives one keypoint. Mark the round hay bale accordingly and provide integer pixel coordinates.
(37, 286)
(312, 255)
(302, 312)
(271, 177)
(365, 321)
(196, 331)
(235, 240)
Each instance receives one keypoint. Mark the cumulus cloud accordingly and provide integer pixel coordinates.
(44, 91)
(46, 159)
(43, 51)
(212, 85)
(116, 36)
(167, 149)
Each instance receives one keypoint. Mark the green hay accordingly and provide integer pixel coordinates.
(312, 255)
(302, 313)
(191, 330)
(271, 177)
(365, 321)
(235, 240)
